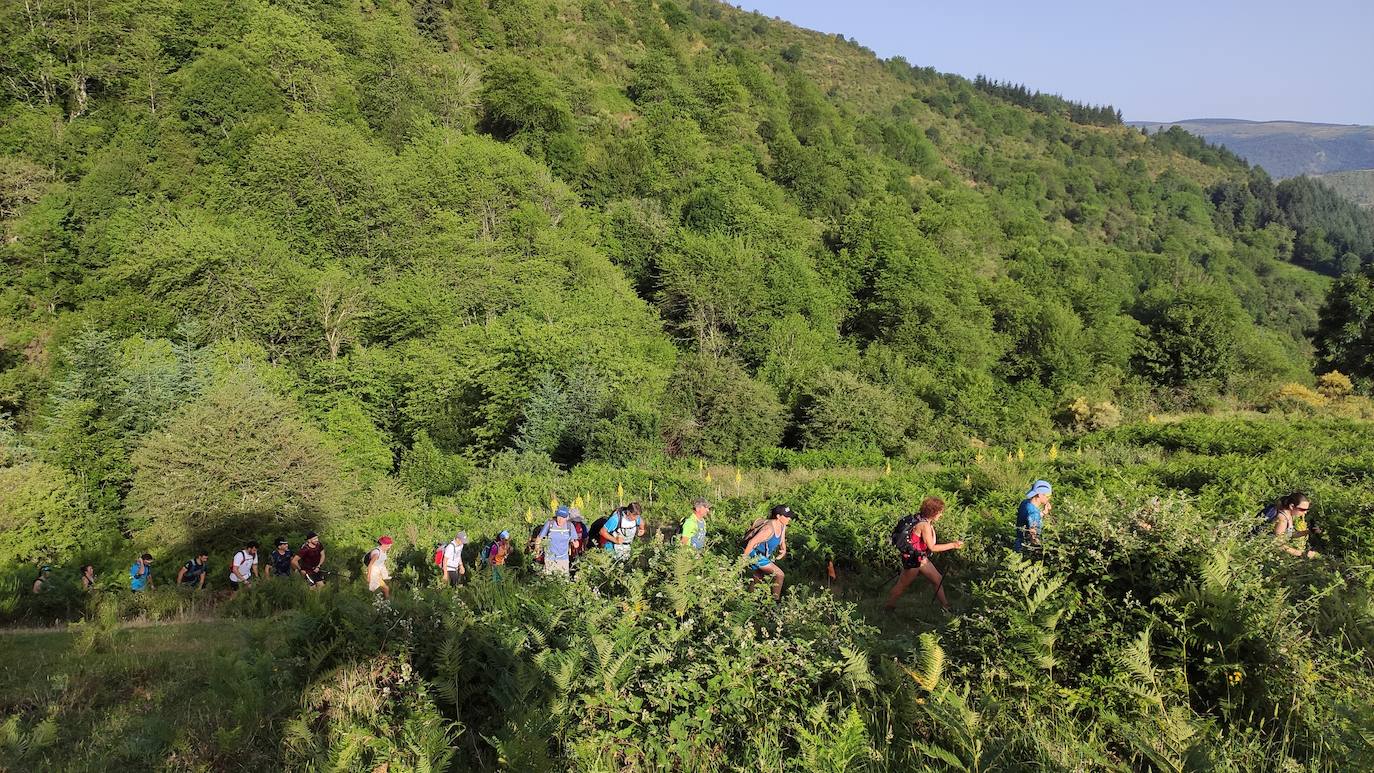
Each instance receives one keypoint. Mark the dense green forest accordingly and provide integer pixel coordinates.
(380, 267)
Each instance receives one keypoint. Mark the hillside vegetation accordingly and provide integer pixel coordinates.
(401, 267)
(1157, 633)
(1356, 185)
(592, 230)
(1286, 148)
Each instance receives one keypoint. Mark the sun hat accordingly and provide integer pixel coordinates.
(1039, 487)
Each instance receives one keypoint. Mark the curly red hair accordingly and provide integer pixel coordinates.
(931, 507)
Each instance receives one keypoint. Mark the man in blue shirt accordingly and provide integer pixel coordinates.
(558, 537)
(1030, 515)
(621, 529)
(141, 573)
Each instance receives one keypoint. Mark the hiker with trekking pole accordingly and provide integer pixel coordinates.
(914, 538)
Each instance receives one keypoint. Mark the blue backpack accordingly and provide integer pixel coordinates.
(1264, 519)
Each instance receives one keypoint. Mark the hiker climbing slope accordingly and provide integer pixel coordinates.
(1281, 520)
(914, 537)
(557, 539)
(766, 544)
(694, 526)
(621, 529)
(1030, 515)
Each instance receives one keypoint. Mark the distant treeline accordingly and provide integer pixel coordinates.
(1049, 104)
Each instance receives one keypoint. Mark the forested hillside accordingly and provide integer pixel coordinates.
(596, 229)
(1285, 148)
(406, 268)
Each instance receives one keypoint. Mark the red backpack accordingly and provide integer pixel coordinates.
(439, 556)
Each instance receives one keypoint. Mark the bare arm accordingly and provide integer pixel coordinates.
(758, 539)
(1281, 524)
(929, 538)
(181, 574)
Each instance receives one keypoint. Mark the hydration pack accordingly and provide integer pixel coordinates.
(904, 535)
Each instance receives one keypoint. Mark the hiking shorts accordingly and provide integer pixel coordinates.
(556, 566)
(913, 560)
(314, 578)
(454, 578)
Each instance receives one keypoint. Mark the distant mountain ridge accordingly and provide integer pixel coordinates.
(1285, 148)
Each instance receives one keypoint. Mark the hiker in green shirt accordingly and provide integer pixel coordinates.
(694, 527)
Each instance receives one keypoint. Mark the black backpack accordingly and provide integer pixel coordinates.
(901, 534)
(594, 531)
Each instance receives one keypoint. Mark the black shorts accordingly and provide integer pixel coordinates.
(314, 577)
(913, 560)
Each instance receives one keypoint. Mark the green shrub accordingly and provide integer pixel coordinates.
(236, 462)
(714, 409)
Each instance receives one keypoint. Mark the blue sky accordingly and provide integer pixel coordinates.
(1304, 60)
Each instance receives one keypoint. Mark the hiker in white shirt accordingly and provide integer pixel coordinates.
(245, 566)
(377, 573)
(454, 570)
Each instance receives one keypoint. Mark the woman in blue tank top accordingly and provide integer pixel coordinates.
(768, 544)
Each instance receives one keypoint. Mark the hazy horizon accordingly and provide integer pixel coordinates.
(1166, 62)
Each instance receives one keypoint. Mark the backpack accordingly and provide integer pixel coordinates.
(580, 532)
(367, 558)
(753, 531)
(904, 535)
(439, 555)
(485, 553)
(1264, 519)
(533, 545)
(594, 531)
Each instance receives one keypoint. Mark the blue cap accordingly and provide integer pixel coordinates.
(1039, 487)
(504, 535)
(562, 511)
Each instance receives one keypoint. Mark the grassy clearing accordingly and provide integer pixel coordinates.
(144, 695)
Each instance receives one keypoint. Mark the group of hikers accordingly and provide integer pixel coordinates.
(306, 561)
(557, 544)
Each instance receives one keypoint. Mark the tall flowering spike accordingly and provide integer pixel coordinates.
(1151, 418)
(1054, 451)
(701, 464)
(978, 458)
(739, 478)
(529, 515)
(620, 493)
(553, 503)
(887, 467)
(577, 503)
(968, 481)
(1020, 454)
(651, 491)
(708, 476)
